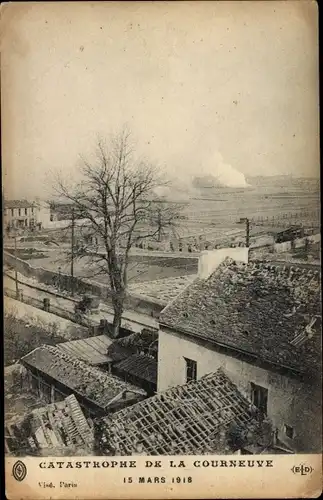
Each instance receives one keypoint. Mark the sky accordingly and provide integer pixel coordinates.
(222, 88)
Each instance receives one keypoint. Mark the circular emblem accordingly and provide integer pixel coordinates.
(19, 471)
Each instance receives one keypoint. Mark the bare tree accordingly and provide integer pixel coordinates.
(119, 208)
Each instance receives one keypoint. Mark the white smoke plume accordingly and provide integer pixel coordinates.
(222, 173)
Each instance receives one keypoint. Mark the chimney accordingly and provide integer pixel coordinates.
(211, 259)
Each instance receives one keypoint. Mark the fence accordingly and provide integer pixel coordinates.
(304, 218)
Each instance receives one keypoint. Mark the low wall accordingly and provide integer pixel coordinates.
(287, 246)
(57, 280)
(81, 286)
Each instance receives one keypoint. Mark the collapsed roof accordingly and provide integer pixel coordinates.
(183, 420)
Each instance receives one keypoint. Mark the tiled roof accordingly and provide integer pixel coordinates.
(58, 424)
(163, 290)
(182, 420)
(18, 204)
(92, 350)
(256, 308)
(93, 384)
(135, 343)
(141, 366)
(118, 352)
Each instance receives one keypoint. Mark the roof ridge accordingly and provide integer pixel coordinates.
(280, 269)
(181, 292)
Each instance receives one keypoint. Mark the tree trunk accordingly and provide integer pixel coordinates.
(118, 311)
(116, 322)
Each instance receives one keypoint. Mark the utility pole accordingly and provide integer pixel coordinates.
(72, 253)
(159, 222)
(247, 221)
(16, 273)
(247, 232)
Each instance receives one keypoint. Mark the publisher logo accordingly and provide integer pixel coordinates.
(19, 471)
(302, 469)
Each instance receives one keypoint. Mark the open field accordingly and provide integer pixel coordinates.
(210, 212)
(220, 209)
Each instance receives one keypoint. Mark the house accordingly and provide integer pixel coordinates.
(54, 429)
(134, 359)
(19, 214)
(207, 416)
(53, 374)
(23, 214)
(261, 323)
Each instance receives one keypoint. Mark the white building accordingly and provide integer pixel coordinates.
(26, 215)
(43, 214)
(19, 214)
(261, 324)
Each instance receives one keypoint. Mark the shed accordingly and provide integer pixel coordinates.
(54, 374)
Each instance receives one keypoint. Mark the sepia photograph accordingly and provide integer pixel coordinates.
(161, 245)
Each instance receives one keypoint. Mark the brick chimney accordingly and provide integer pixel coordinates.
(210, 259)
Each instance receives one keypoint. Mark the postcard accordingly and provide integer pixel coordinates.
(161, 228)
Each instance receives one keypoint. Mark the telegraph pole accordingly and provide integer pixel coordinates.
(16, 273)
(247, 232)
(247, 221)
(72, 252)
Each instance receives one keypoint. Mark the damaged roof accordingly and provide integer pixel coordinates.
(255, 308)
(122, 348)
(183, 420)
(91, 383)
(140, 366)
(59, 424)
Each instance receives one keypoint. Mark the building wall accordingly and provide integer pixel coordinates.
(290, 402)
(210, 260)
(20, 217)
(43, 215)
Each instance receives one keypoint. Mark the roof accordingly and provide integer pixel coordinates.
(91, 383)
(287, 229)
(162, 290)
(92, 350)
(118, 352)
(183, 420)
(141, 366)
(18, 204)
(58, 424)
(256, 308)
(134, 343)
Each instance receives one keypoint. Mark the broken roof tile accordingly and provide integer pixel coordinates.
(278, 305)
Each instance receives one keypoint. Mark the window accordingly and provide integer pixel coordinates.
(191, 369)
(32, 210)
(19, 211)
(26, 211)
(12, 212)
(259, 397)
(289, 431)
